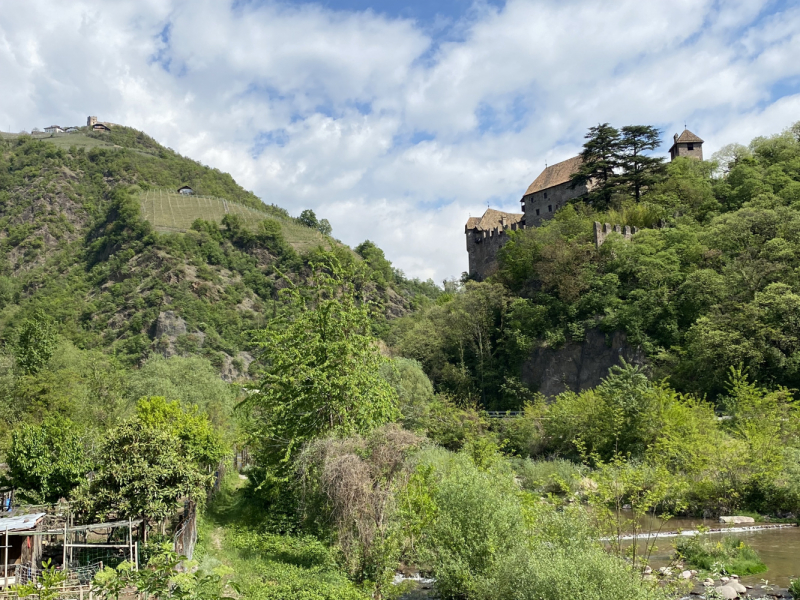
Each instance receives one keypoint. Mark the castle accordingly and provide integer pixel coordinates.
(551, 190)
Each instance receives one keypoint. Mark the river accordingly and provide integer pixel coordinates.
(778, 548)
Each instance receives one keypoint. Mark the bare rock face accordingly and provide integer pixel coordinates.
(235, 368)
(169, 324)
(166, 330)
(578, 366)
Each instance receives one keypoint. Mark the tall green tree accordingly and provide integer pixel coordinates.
(308, 218)
(323, 374)
(639, 171)
(142, 472)
(600, 156)
(36, 343)
(45, 462)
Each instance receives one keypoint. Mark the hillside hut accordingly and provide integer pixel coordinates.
(20, 544)
(100, 127)
(186, 190)
(54, 129)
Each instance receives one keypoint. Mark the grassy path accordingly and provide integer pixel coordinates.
(234, 541)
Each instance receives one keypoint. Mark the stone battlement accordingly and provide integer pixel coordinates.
(497, 231)
(601, 232)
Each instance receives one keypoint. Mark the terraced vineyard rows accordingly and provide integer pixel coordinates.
(177, 212)
(171, 211)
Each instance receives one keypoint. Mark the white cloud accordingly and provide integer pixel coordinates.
(390, 133)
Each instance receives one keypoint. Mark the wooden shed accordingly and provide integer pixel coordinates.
(20, 544)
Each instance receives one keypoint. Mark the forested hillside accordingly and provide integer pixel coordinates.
(76, 247)
(709, 283)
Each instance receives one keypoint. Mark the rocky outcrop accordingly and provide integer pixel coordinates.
(737, 520)
(169, 324)
(578, 366)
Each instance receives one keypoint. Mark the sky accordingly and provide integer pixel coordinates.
(398, 120)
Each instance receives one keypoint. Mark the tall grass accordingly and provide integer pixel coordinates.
(726, 555)
(554, 476)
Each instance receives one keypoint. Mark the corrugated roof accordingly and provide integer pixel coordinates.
(687, 137)
(20, 522)
(555, 175)
(493, 219)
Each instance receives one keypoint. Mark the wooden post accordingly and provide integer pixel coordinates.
(130, 538)
(5, 560)
(136, 555)
(64, 564)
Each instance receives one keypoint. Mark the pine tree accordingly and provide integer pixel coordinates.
(638, 172)
(600, 159)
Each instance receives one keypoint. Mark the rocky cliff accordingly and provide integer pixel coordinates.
(578, 366)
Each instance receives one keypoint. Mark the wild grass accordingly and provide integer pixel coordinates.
(554, 476)
(726, 555)
(794, 588)
(66, 140)
(233, 541)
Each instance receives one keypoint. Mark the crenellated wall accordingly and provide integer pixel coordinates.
(601, 232)
(482, 248)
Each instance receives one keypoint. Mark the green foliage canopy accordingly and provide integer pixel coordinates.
(323, 370)
(47, 461)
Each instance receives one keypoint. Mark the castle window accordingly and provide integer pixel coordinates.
(545, 195)
(549, 208)
(537, 212)
(690, 146)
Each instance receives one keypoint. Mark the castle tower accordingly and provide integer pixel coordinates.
(485, 236)
(686, 144)
(90, 121)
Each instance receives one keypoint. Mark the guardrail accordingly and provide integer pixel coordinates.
(503, 414)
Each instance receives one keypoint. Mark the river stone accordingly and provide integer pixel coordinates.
(737, 586)
(737, 520)
(724, 579)
(686, 575)
(727, 592)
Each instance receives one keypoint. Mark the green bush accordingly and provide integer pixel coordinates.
(726, 555)
(479, 522)
(492, 541)
(794, 588)
(556, 572)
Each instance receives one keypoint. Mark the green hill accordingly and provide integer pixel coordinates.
(90, 241)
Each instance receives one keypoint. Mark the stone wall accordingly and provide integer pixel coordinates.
(601, 232)
(682, 149)
(548, 201)
(482, 248)
(578, 366)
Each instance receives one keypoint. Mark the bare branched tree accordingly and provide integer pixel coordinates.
(356, 480)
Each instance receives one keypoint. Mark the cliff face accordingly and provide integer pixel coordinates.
(578, 366)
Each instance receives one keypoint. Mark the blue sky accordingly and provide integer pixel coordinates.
(397, 120)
